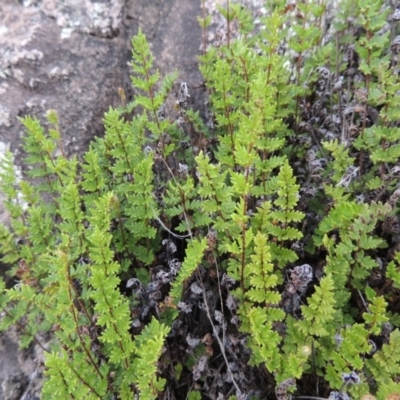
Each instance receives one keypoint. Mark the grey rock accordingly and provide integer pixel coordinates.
(21, 371)
(67, 55)
(72, 55)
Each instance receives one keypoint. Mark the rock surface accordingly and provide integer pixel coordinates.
(71, 56)
(66, 55)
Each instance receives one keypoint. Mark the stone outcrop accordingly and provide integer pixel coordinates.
(68, 55)
(72, 55)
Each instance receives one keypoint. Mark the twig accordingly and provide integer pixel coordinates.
(221, 345)
(168, 230)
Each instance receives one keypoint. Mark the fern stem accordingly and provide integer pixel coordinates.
(246, 78)
(77, 330)
(120, 345)
(91, 388)
(25, 332)
(66, 384)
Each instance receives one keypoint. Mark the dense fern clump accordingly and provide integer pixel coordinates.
(247, 250)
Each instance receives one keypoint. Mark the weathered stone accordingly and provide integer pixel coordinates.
(72, 55)
(68, 55)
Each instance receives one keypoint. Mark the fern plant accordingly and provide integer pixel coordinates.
(197, 253)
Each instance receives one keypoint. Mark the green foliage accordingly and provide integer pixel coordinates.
(194, 255)
(145, 365)
(384, 365)
(319, 313)
(273, 225)
(258, 310)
